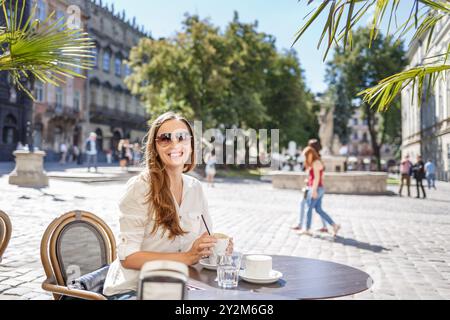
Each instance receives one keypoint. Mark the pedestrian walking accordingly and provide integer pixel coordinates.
(91, 151)
(76, 154)
(316, 192)
(419, 174)
(63, 153)
(430, 174)
(210, 169)
(405, 174)
(122, 148)
(137, 154)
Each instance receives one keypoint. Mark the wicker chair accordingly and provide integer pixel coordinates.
(5, 232)
(75, 245)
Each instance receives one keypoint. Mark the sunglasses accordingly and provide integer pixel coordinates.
(166, 138)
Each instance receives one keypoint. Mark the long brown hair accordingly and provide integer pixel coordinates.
(311, 153)
(159, 198)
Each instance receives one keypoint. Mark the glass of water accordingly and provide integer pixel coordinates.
(228, 267)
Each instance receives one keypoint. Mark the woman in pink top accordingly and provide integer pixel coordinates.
(316, 192)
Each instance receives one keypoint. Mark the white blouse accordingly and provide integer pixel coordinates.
(136, 229)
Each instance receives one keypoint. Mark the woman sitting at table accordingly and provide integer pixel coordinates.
(161, 210)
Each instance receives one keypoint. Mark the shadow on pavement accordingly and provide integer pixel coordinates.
(359, 244)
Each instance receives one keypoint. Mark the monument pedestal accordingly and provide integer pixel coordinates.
(366, 183)
(29, 170)
(334, 163)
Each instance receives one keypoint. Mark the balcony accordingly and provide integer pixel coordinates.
(57, 110)
(114, 117)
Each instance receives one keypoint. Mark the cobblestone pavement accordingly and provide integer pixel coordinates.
(403, 243)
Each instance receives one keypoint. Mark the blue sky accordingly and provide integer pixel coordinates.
(281, 18)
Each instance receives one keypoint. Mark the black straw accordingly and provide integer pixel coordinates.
(203, 218)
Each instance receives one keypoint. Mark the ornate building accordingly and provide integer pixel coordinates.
(101, 103)
(360, 146)
(112, 111)
(15, 108)
(59, 111)
(426, 123)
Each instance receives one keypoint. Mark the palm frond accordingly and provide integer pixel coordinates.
(48, 50)
(383, 94)
(423, 18)
(340, 30)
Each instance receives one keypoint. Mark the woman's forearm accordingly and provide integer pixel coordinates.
(138, 259)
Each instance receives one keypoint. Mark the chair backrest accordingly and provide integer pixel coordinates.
(76, 244)
(5, 232)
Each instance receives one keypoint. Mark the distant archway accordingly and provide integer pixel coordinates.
(10, 130)
(99, 133)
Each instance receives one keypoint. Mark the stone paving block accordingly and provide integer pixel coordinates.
(17, 291)
(406, 253)
(12, 282)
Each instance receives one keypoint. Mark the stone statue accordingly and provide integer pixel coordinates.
(326, 134)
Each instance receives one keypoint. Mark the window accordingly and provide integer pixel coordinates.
(59, 98)
(39, 91)
(355, 121)
(10, 130)
(106, 61)
(105, 100)
(355, 136)
(364, 137)
(76, 100)
(448, 95)
(441, 93)
(41, 10)
(118, 66)
(95, 52)
(117, 102)
(127, 70)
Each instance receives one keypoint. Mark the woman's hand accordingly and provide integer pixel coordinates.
(200, 248)
(314, 195)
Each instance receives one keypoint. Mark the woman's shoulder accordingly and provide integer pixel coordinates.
(134, 197)
(139, 184)
(192, 182)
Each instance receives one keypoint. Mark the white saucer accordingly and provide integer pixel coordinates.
(274, 277)
(205, 263)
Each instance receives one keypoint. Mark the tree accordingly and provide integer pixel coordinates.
(235, 78)
(45, 50)
(349, 72)
(188, 73)
(344, 15)
(289, 104)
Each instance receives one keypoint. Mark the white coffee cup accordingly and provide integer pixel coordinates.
(258, 266)
(220, 248)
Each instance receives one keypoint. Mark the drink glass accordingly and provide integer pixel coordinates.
(228, 267)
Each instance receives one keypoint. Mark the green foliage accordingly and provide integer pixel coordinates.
(349, 72)
(344, 15)
(234, 78)
(46, 50)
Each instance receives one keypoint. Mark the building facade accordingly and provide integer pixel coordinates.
(426, 123)
(360, 147)
(101, 103)
(58, 111)
(112, 111)
(15, 108)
